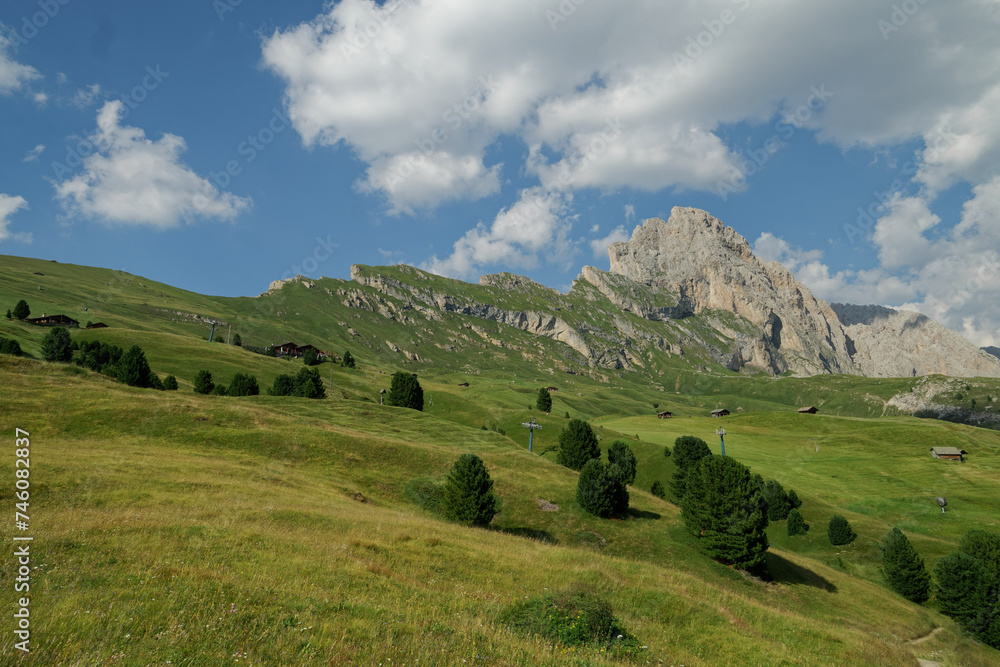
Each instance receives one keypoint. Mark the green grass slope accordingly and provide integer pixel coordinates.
(206, 530)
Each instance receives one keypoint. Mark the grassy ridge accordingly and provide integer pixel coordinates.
(191, 529)
(213, 530)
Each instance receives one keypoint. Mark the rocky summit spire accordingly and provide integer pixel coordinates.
(712, 267)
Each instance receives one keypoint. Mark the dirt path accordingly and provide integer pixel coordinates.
(920, 640)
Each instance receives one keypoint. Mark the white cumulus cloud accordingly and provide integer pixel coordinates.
(13, 75)
(536, 226)
(9, 205)
(131, 180)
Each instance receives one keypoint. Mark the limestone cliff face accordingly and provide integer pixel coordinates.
(711, 267)
(708, 266)
(894, 343)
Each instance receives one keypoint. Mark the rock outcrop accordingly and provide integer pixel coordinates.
(900, 343)
(708, 266)
(711, 267)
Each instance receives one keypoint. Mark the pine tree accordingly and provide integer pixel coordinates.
(468, 496)
(308, 384)
(170, 383)
(56, 345)
(133, 369)
(688, 451)
(405, 391)
(219, 390)
(983, 545)
(284, 385)
(903, 568)
(10, 346)
(10, 315)
(777, 500)
(243, 385)
(597, 488)
(793, 499)
(620, 454)
(796, 524)
(203, 383)
(21, 310)
(658, 490)
(544, 400)
(155, 382)
(237, 341)
(348, 361)
(967, 591)
(839, 531)
(577, 445)
(725, 509)
(310, 357)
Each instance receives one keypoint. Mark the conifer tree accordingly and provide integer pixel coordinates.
(284, 385)
(597, 489)
(348, 361)
(839, 531)
(577, 445)
(468, 496)
(724, 507)
(133, 369)
(777, 501)
(405, 391)
(620, 454)
(308, 384)
(688, 451)
(544, 400)
(56, 345)
(903, 568)
(170, 383)
(21, 310)
(203, 383)
(243, 385)
(796, 524)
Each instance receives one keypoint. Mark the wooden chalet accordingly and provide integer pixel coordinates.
(811, 410)
(665, 415)
(301, 349)
(97, 325)
(287, 349)
(552, 389)
(53, 321)
(948, 453)
(721, 412)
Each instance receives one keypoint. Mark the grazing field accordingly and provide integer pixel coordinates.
(182, 529)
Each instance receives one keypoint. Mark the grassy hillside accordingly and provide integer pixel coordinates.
(274, 530)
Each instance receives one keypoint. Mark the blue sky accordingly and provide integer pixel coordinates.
(218, 145)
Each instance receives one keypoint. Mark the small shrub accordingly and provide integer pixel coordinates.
(348, 361)
(219, 390)
(666, 452)
(425, 493)
(793, 499)
(839, 531)
(170, 383)
(796, 524)
(10, 315)
(573, 618)
(155, 382)
(237, 341)
(658, 490)
(203, 383)
(567, 414)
